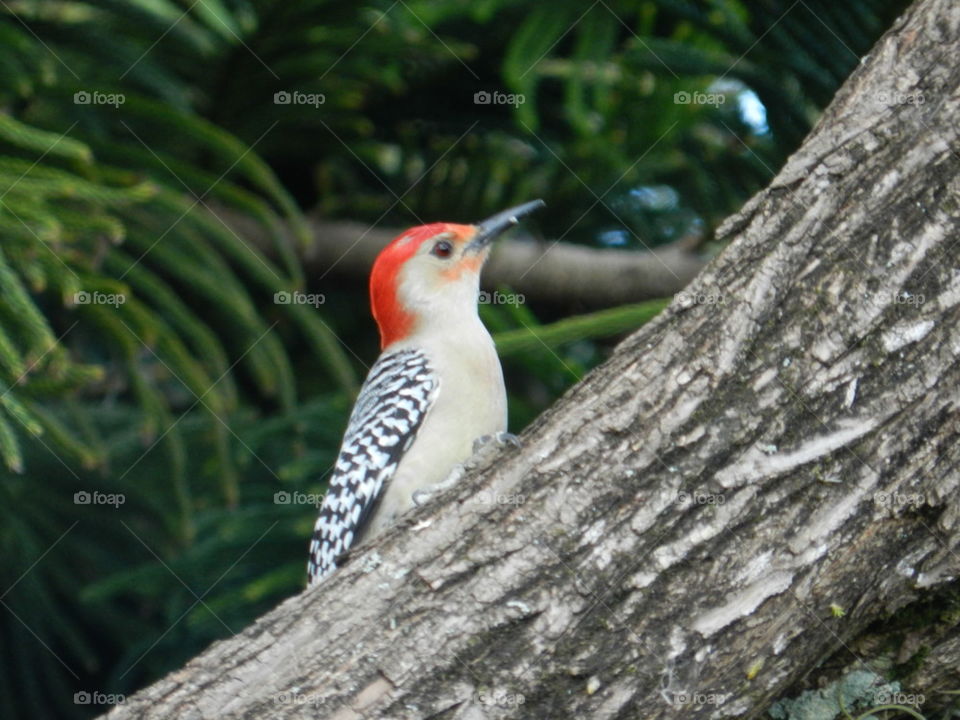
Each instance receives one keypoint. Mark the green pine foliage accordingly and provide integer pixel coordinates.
(167, 421)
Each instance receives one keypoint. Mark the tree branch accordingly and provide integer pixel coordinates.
(555, 272)
(751, 480)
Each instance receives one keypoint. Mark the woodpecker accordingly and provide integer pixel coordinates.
(436, 388)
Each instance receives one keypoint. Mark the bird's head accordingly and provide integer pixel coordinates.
(432, 273)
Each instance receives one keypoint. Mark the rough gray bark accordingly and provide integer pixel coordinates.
(750, 481)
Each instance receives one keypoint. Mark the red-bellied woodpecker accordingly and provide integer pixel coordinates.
(436, 388)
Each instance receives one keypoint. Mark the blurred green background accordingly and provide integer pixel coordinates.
(198, 398)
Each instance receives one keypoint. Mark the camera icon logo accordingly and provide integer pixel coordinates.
(81, 498)
(81, 97)
(482, 97)
(282, 97)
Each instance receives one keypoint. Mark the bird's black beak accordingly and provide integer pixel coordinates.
(493, 226)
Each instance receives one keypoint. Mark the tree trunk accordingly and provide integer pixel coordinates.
(752, 479)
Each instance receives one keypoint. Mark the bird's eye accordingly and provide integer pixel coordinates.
(442, 249)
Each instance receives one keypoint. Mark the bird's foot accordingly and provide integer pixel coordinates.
(484, 448)
(425, 494)
(497, 440)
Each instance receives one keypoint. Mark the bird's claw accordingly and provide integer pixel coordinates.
(425, 494)
(481, 450)
(499, 439)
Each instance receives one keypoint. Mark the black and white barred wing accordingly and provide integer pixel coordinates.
(391, 406)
